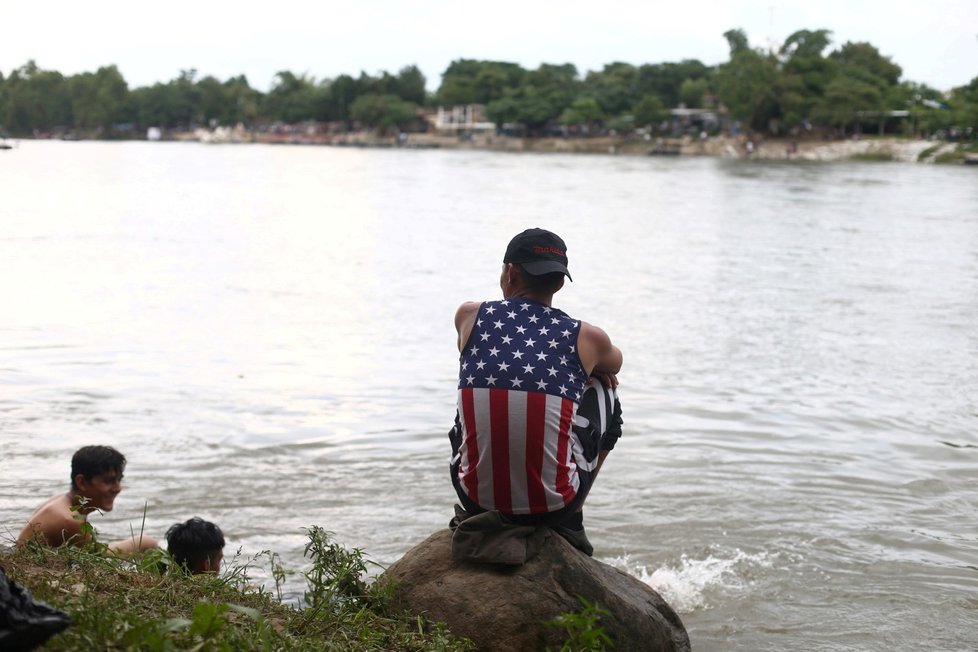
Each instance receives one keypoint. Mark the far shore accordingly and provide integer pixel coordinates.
(860, 148)
(866, 148)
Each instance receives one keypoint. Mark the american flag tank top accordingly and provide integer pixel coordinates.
(520, 382)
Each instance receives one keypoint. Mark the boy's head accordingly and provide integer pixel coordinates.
(198, 545)
(96, 473)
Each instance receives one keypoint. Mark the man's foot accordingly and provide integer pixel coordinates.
(576, 538)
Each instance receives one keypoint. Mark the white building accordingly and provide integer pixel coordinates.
(464, 117)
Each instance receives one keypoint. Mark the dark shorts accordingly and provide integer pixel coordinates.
(597, 426)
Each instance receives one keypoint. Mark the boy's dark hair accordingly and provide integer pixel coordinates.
(91, 461)
(547, 283)
(193, 542)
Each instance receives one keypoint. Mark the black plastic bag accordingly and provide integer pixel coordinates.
(25, 623)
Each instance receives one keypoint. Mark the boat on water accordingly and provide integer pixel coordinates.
(6, 145)
(971, 159)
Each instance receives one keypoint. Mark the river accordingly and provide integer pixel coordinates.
(266, 333)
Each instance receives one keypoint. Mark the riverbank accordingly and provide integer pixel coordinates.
(867, 148)
(146, 604)
(871, 149)
(785, 149)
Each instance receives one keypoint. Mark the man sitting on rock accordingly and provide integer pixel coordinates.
(197, 545)
(537, 405)
(96, 479)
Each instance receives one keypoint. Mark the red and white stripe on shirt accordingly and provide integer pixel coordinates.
(517, 452)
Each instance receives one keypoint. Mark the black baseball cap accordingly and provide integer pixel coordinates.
(538, 251)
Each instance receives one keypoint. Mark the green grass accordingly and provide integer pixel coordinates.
(956, 156)
(147, 603)
(583, 629)
(872, 156)
(927, 153)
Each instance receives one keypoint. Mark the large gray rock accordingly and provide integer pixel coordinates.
(504, 607)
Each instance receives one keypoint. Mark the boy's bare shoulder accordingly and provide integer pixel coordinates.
(53, 522)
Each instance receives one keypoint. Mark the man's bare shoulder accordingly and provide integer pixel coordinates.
(595, 338)
(466, 312)
(53, 522)
(464, 320)
(594, 333)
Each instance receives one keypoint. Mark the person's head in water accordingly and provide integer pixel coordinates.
(197, 545)
(96, 474)
(534, 265)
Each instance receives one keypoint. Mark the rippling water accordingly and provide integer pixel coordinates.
(267, 334)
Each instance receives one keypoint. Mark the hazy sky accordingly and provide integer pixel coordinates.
(935, 42)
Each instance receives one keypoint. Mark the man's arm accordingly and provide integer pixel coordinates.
(464, 320)
(598, 354)
(135, 543)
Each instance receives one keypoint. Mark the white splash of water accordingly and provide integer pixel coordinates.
(687, 584)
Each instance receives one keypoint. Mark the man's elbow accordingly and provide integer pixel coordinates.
(610, 361)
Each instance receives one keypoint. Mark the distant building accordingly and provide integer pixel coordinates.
(693, 120)
(462, 118)
(892, 121)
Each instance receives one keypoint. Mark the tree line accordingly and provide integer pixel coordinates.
(798, 86)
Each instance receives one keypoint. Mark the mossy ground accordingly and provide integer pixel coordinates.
(143, 604)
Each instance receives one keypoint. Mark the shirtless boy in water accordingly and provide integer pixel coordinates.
(96, 479)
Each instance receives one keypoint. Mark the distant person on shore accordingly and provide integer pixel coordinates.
(96, 480)
(197, 545)
(537, 406)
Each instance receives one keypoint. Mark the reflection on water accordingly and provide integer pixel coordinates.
(266, 332)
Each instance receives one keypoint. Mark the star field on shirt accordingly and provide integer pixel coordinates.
(522, 345)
